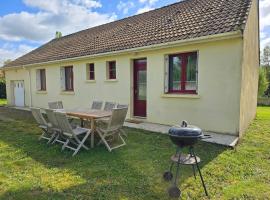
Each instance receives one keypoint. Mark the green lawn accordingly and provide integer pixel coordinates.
(3, 102)
(30, 169)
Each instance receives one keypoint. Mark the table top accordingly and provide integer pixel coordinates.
(88, 113)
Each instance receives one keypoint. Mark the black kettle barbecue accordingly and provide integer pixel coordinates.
(184, 136)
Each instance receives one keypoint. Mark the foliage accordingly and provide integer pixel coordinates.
(30, 169)
(3, 102)
(3, 94)
(263, 82)
(7, 61)
(266, 56)
(58, 34)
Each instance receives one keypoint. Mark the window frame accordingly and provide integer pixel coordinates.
(42, 74)
(183, 78)
(110, 70)
(91, 72)
(41, 83)
(69, 76)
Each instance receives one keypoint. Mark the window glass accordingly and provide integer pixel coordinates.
(69, 78)
(91, 71)
(175, 73)
(141, 84)
(191, 82)
(112, 70)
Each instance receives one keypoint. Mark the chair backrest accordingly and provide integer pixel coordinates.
(109, 106)
(51, 117)
(122, 106)
(56, 105)
(63, 122)
(36, 112)
(117, 118)
(97, 105)
(60, 105)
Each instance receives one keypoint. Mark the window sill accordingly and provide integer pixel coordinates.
(90, 81)
(111, 80)
(67, 92)
(184, 96)
(41, 92)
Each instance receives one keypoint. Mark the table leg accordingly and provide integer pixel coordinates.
(82, 123)
(92, 132)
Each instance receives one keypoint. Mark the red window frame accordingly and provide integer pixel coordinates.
(184, 59)
(69, 78)
(42, 73)
(91, 71)
(112, 69)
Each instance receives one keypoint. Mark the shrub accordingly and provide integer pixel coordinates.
(263, 83)
(3, 94)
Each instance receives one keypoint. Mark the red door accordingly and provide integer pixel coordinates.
(140, 77)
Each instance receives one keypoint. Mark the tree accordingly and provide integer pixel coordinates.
(7, 61)
(266, 56)
(263, 82)
(58, 34)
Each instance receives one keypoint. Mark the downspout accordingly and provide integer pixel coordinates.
(30, 85)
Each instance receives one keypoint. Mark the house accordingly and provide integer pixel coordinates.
(192, 60)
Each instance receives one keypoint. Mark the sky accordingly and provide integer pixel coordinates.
(27, 24)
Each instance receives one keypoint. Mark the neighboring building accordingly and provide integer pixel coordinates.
(192, 60)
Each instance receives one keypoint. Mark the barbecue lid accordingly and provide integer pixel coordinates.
(188, 131)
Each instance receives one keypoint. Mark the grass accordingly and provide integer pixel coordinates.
(30, 169)
(3, 102)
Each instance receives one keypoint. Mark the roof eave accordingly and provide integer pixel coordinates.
(203, 39)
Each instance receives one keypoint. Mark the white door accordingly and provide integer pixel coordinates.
(19, 93)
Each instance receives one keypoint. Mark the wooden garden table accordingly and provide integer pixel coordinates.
(89, 115)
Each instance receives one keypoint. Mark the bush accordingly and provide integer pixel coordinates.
(3, 94)
(263, 83)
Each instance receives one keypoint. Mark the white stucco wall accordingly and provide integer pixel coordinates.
(216, 107)
(250, 69)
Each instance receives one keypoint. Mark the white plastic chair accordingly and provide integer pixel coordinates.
(75, 137)
(56, 105)
(113, 129)
(109, 106)
(47, 134)
(59, 138)
(97, 105)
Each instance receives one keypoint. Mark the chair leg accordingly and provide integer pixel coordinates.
(102, 137)
(81, 143)
(65, 145)
(51, 138)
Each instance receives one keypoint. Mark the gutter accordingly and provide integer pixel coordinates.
(203, 39)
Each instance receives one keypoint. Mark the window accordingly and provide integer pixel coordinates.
(67, 78)
(111, 70)
(91, 71)
(41, 80)
(183, 73)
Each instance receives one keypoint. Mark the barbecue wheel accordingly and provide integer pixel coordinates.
(174, 192)
(167, 176)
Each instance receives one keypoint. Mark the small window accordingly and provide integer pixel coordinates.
(111, 70)
(91, 71)
(183, 73)
(67, 78)
(41, 80)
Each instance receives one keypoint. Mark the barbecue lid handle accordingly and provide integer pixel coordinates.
(184, 123)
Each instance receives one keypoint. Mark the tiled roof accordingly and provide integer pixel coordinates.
(183, 20)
